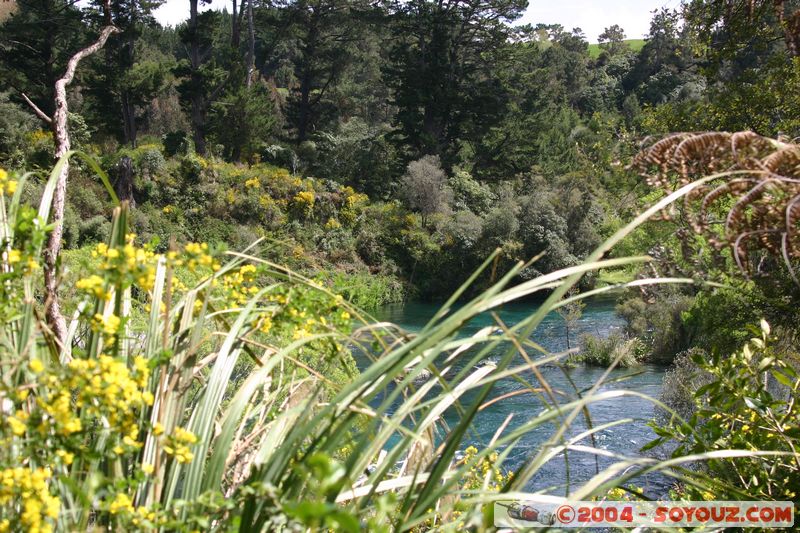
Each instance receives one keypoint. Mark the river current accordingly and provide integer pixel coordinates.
(598, 318)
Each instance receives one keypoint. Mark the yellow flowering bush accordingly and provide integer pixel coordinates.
(123, 424)
(483, 471)
(303, 204)
(127, 264)
(27, 491)
(7, 185)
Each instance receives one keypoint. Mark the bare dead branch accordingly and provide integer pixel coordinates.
(55, 318)
(39, 113)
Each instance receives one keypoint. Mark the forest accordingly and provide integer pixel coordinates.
(202, 228)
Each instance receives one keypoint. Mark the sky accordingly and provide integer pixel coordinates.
(592, 16)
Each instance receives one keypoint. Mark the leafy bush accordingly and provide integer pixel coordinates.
(149, 161)
(659, 324)
(177, 143)
(681, 382)
(470, 194)
(15, 126)
(96, 229)
(367, 291)
(605, 351)
(424, 187)
(738, 409)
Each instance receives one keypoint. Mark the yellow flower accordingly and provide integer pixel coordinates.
(17, 426)
(66, 457)
(184, 435)
(30, 489)
(148, 469)
(94, 284)
(121, 504)
(7, 185)
(36, 366)
(108, 325)
(14, 256)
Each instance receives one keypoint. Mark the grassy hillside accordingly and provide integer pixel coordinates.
(634, 44)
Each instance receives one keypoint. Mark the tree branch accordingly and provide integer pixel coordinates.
(86, 52)
(39, 113)
(61, 140)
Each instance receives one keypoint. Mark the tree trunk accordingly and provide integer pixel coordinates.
(304, 112)
(55, 318)
(129, 119)
(199, 123)
(235, 27)
(124, 183)
(251, 45)
(198, 111)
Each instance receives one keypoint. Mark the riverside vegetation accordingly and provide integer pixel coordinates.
(250, 185)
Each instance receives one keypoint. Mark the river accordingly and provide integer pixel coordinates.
(599, 319)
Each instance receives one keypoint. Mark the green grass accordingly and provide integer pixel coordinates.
(615, 277)
(634, 44)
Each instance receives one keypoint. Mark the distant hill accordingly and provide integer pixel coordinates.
(633, 44)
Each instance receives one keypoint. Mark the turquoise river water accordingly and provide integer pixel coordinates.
(599, 319)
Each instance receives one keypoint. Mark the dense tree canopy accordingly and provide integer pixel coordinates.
(518, 132)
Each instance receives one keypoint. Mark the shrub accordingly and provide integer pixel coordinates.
(470, 194)
(303, 204)
(660, 324)
(424, 187)
(16, 124)
(603, 352)
(192, 167)
(96, 229)
(735, 410)
(150, 161)
(681, 382)
(177, 143)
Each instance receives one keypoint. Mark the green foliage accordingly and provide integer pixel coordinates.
(176, 143)
(659, 325)
(436, 108)
(681, 382)
(748, 402)
(469, 193)
(603, 352)
(358, 155)
(15, 127)
(242, 122)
